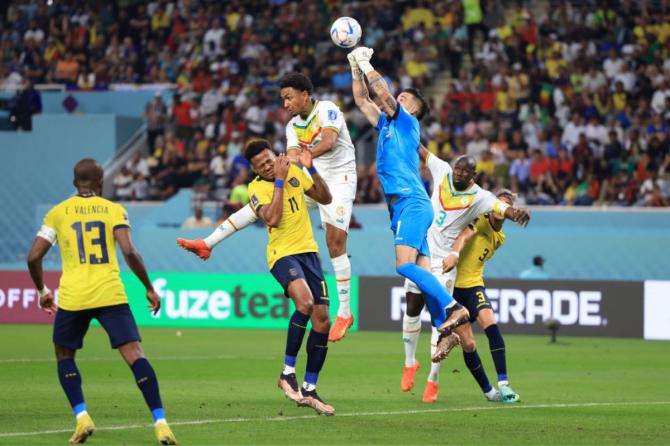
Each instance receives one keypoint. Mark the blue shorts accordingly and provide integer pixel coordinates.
(302, 266)
(474, 299)
(410, 219)
(70, 327)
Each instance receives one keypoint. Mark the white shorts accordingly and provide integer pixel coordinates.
(338, 212)
(447, 280)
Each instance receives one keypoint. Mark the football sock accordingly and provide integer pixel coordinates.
(497, 347)
(294, 336)
(145, 377)
(317, 349)
(411, 329)
(434, 375)
(435, 296)
(289, 365)
(240, 219)
(70, 380)
(342, 270)
(474, 363)
(490, 395)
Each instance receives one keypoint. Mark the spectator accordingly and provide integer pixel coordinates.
(140, 188)
(197, 220)
(67, 70)
(155, 112)
(123, 183)
(535, 272)
(183, 117)
(477, 146)
(24, 105)
(519, 173)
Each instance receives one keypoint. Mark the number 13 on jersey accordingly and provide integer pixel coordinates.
(97, 230)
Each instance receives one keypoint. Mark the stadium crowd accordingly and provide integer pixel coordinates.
(571, 107)
(564, 104)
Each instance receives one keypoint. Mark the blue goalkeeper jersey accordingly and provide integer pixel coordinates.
(398, 155)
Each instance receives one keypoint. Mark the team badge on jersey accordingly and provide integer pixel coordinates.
(294, 182)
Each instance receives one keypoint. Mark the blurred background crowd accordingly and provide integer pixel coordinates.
(565, 102)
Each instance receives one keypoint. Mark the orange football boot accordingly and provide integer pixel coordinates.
(407, 381)
(197, 247)
(340, 327)
(430, 394)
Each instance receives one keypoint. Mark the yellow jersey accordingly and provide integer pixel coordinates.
(294, 233)
(475, 254)
(84, 229)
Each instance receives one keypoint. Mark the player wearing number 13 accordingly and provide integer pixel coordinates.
(86, 227)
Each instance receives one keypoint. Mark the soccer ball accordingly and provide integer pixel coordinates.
(345, 32)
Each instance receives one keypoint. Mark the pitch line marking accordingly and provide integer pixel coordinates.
(351, 414)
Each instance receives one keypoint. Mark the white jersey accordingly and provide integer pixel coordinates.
(301, 133)
(453, 209)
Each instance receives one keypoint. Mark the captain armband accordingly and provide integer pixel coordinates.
(47, 233)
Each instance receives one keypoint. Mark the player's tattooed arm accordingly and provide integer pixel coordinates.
(379, 86)
(362, 99)
(361, 94)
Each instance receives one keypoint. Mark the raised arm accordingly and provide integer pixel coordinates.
(520, 216)
(319, 191)
(361, 94)
(378, 85)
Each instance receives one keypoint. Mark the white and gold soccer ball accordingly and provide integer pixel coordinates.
(345, 32)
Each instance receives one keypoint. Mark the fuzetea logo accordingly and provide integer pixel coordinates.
(219, 304)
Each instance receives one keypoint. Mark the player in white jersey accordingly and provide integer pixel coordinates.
(457, 201)
(318, 126)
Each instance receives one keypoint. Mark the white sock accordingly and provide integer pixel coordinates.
(411, 329)
(239, 220)
(342, 269)
(307, 386)
(81, 414)
(159, 421)
(434, 375)
(288, 370)
(503, 383)
(491, 393)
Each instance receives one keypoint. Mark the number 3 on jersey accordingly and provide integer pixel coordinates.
(440, 218)
(101, 240)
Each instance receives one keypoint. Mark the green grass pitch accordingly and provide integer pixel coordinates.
(219, 387)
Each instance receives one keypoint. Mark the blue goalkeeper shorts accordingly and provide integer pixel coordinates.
(410, 219)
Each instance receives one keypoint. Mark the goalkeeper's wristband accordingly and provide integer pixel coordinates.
(356, 73)
(454, 253)
(312, 170)
(365, 66)
(279, 184)
(44, 291)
